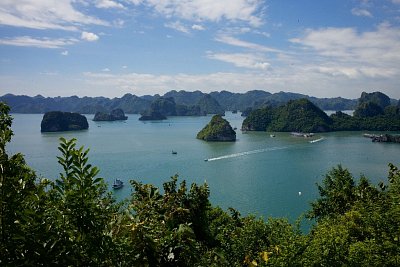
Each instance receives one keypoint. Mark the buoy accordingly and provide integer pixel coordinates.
(299, 193)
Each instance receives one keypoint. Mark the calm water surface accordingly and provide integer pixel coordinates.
(257, 174)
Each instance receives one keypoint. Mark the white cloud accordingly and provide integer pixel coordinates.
(396, 1)
(108, 4)
(302, 79)
(89, 36)
(243, 60)
(136, 2)
(106, 70)
(28, 41)
(361, 12)
(352, 53)
(44, 14)
(198, 27)
(119, 23)
(64, 53)
(199, 10)
(240, 43)
(178, 26)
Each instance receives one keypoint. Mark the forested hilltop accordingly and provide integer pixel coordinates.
(72, 220)
(374, 112)
(187, 101)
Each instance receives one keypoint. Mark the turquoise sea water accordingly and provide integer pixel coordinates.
(257, 174)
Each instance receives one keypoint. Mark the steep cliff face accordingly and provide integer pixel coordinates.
(58, 121)
(218, 129)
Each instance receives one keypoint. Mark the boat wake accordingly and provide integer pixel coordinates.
(316, 140)
(240, 154)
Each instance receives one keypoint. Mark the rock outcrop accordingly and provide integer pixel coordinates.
(385, 138)
(115, 115)
(58, 121)
(218, 129)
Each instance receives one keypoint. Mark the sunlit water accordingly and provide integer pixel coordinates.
(256, 174)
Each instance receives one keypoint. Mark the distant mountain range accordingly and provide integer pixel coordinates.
(133, 104)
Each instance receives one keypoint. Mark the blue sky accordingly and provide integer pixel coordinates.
(323, 48)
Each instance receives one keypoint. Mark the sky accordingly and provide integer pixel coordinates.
(322, 48)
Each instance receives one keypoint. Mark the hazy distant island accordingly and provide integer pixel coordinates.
(187, 103)
(374, 112)
(166, 106)
(218, 129)
(115, 115)
(152, 116)
(58, 121)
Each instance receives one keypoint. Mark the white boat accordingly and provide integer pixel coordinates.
(272, 135)
(316, 140)
(118, 184)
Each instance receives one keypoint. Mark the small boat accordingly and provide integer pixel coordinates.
(272, 135)
(174, 152)
(205, 159)
(118, 184)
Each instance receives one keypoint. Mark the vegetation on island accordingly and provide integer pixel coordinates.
(297, 115)
(218, 129)
(58, 121)
(373, 113)
(73, 221)
(115, 115)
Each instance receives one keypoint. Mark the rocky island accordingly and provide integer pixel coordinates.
(218, 129)
(115, 115)
(296, 116)
(373, 113)
(152, 116)
(385, 138)
(58, 121)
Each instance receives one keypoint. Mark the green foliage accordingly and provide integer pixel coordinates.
(337, 194)
(368, 109)
(301, 116)
(218, 129)
(258, 120)
(21, 204)
(297, 115)
(170, 229)
(84, 207)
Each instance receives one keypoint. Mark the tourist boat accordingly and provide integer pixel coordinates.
(305, 135)
(118, 184)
